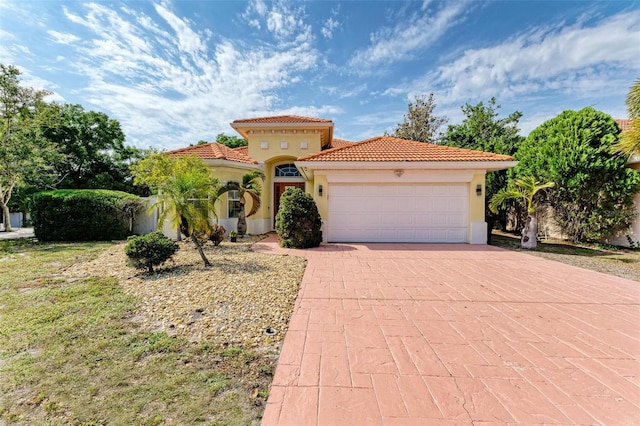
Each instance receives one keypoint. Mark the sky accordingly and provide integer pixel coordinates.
(177, 72)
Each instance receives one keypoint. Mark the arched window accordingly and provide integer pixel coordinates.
(287, 170)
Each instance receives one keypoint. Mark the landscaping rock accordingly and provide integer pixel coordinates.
(230, 303)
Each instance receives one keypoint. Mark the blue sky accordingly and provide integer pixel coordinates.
(175, 72)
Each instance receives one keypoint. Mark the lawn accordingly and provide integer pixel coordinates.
(75, 351)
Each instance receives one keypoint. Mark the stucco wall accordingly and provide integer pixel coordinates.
(283, 143)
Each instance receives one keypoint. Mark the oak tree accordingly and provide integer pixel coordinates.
(420, 123)
(24, 151)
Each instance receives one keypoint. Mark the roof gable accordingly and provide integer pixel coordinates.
(390, 149)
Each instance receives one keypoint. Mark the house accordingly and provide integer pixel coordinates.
(381, 189)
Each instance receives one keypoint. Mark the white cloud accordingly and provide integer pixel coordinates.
(285, 21)
(171, 84)
(63, 38)
(188, 40)
(329, 26)
(412, 34)
(577, 60)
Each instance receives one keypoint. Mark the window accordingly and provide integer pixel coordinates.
(287, 170)
(233, 201)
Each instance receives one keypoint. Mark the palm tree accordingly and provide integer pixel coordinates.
(526, 189)
(251, 187)
(187, 198)
(629, 142)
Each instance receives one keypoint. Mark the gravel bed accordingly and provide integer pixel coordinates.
(620, 267)
(231, 303)
(621, 262)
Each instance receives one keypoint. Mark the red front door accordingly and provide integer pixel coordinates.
(278, 190)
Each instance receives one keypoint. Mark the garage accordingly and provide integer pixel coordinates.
(391, 212)
(390, 190)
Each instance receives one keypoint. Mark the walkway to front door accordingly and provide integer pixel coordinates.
(385, 334)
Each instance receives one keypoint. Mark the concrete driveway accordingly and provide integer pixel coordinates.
(399, 334)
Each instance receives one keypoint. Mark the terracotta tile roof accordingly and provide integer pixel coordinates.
(244, 150)
(336, 143)
(282, 119)
(214, 151)
(624, 124)
(388, 149)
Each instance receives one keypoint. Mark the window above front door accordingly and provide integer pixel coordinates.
(287, 170)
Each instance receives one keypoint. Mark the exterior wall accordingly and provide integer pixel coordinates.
(146, 221)
(322, 201)
(281, 143)
(477, 225)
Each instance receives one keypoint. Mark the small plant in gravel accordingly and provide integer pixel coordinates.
(147, 251)
(216, 235)
(298, 222)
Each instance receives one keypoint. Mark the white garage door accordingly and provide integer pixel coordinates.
(414, 212)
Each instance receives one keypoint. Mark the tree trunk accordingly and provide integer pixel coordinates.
(530, 233)
(7, 217)
(242, 219)
(200, 251)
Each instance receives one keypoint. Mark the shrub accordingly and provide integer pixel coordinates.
(593, 195)
(80, 215)
(298, 221)
(217, 234)
(147, 251)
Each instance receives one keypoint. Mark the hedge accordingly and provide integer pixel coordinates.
(80, 215)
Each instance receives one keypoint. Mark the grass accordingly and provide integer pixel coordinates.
(72, 354)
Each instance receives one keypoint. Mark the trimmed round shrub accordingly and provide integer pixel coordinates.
(81, 215)
(147, 251)
(298, 222)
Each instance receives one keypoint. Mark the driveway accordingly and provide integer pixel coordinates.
(399, 334)
(17, 233)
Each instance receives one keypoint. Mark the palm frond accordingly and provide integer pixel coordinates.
(499, 199)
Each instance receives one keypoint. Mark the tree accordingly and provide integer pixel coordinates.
(593, 195)
(420, 124)
(629, 143)
(94, 153)
(231, 141)
(186, 192)
(250, 186)
(525, 190)
(483, 130)
(24, 152)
